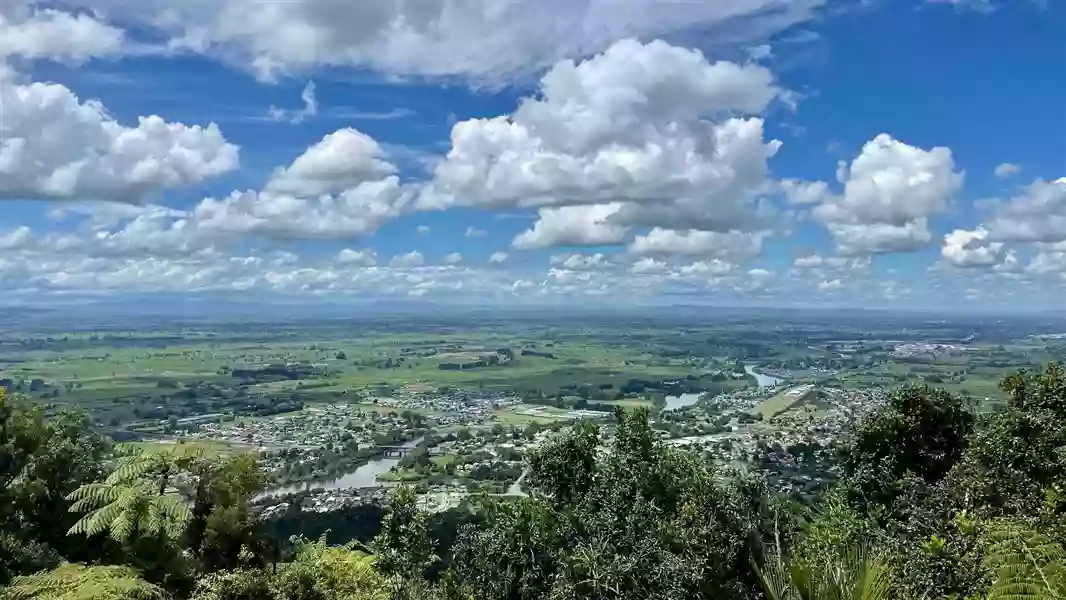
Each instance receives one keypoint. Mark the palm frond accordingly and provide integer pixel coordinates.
(856, 574)
(774, 579)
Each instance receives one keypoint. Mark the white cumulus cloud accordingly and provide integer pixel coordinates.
(58, 146)
(963, 248)
(479, 39)
(406, 261)
(732, 245)
(1007, 169)
(341, 160)
(649, 265)
(339, 187)
(366, 258)
(34, 33)
(580, 262)
(628, 129)
(573, 226)
(860, 240)
(892, 183)
(713, 268)
(890, 190)
(1037, 214)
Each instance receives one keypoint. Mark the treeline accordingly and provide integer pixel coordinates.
(932, 502)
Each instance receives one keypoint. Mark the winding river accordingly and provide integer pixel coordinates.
(362, 477)
(763, 381)
(677, 402)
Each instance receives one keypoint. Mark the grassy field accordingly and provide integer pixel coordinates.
(151, 375)
(514, 416)
(113, 376)
(979, 383)
(782, 401)
(205, 448)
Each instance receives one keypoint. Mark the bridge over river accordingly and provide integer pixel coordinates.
(404, 450)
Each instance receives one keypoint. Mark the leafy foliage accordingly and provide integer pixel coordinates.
(317, 572)
(921, 430)
(235, 585)
(332, 573)
(1027, 565)
(136, 499)
(80, 582)
(41, 461)
(640, 520)
(933, 503)
(403, 547)
(852, 574)
(222, 527)
(1018, 455)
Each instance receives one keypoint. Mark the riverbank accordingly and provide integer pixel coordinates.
(362, 476)
(762, 380)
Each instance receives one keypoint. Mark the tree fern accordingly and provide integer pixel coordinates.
(79, 582)
(332, 573)
(136, 499)
(1027, 565)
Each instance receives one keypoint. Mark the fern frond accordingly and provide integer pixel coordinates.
(123, 526)
(97, 521)
(78, 582)
(1027, 565)
(154, 520)
(174, 507)
(132, 468)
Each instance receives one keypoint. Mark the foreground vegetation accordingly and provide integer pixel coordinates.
(935, 502)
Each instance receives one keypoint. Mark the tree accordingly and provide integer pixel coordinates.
(236, 585)
(41, 462)
(1016, 457)
(80, 582)
(19, 556)
(920, 430)
(321, 572)
(135, 500)
(567, 466)
(640, 520)
(403, 548)
(222, 527)
(317, 572)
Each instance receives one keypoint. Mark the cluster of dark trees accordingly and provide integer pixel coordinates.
(197, 398)
(933, 502)
(278, 372)
(528, 352)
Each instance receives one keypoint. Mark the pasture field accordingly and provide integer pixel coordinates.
(149, 375)
(138, 376)
(204, 448)
(783, 401)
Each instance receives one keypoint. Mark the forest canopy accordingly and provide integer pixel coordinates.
(934, 501)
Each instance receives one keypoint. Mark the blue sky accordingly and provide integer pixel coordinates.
(754, 152)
